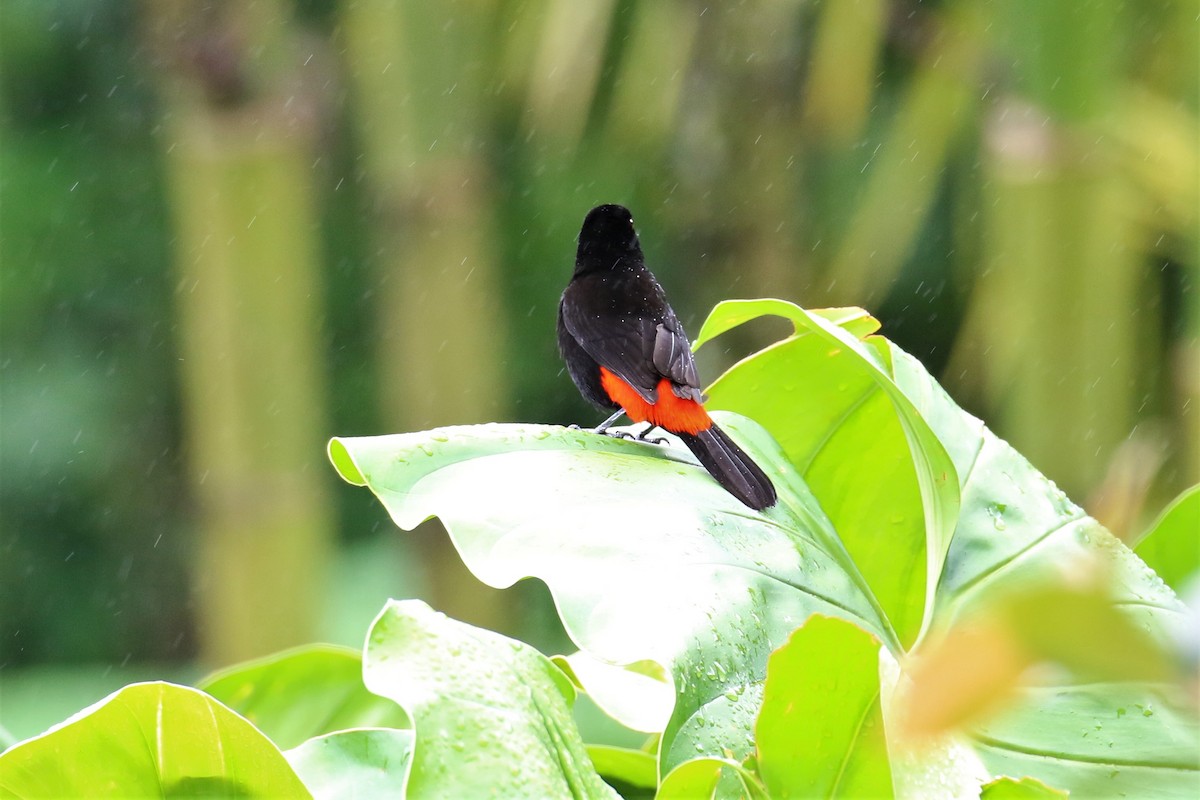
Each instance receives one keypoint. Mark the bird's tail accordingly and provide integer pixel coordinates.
(731, 467)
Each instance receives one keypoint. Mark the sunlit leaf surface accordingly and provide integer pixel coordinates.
(636, 695)
(647, 557)
(879, 472)
(150, 740)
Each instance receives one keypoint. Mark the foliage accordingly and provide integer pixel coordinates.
(150, 740)
(792, 661)
(303, 693)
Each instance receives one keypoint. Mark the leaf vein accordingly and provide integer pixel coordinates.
(858, 728)
(998, 744)
(1004, 563)
(835, 427)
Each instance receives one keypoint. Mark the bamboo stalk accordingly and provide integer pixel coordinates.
(906, 173)
(441, 329)
(649, 88)
(843, 70)
(248, 304)
(566, 68)
(1061, 253)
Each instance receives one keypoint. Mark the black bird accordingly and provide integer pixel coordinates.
(625, 349)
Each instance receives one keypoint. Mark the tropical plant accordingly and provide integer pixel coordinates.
(921, 614)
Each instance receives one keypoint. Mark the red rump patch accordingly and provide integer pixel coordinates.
(671, 412)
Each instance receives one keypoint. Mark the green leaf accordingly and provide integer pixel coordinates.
(976, 666)
(150, 740)
(632, 767)
(1017, 529)
(1097, 740)
(880, 473)
(365, 762)
(1023, 789)
(820, 731)
(586, 513)
(731, 313)
(1171, 547)
(302, 693)
(492, 716)
(1013, 527)
(639, 695)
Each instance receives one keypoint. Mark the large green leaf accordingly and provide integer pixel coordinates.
(302, 693)
(646, 556)
(479, 699)
(1017, 528)
(880, 473)
(820, 731)
(1013, 527)
(150, 740)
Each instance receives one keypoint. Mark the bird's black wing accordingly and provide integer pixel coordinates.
(641, 349)
(672, 357)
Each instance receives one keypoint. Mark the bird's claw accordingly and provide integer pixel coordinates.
(645, 436)
(604, 430)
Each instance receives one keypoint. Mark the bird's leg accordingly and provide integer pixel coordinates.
(644, 436)
(603, 427)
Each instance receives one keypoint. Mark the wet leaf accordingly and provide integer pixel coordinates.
(708, 594)
(364, 762)
(879, 472)
(478, 698)
(710, 777)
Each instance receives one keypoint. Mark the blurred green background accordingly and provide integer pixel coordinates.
(229, 231)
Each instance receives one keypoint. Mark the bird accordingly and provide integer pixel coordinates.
(625, 349)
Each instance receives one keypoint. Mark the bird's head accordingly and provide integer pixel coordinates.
(607, 237)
